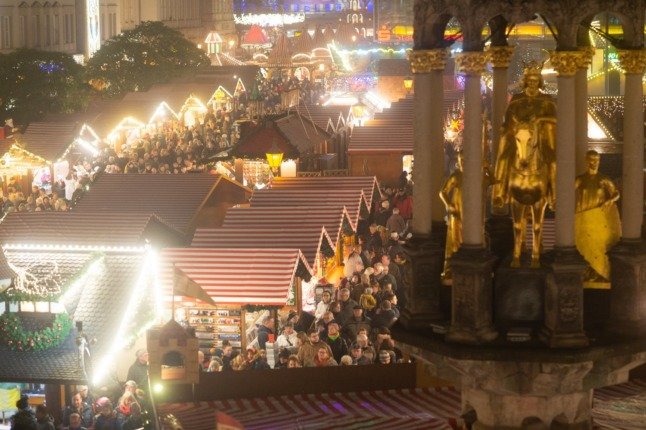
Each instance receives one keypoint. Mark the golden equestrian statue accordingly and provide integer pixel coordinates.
(525, 170)
(597, 223)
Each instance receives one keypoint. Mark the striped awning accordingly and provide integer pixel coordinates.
(368, 184)
(423, 409)
(371, 139)
(309, 239)
(236, 276)
(354, 200)
(335, 219)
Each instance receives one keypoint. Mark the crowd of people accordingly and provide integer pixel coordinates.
(128, 410)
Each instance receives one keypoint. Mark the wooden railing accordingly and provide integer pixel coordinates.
(306, 380)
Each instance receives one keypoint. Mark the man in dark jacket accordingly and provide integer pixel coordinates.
(356, 323)
(347, 305)
(337, 344)
(385, 317)
(265, 331)
(138, 371)
(80, 408)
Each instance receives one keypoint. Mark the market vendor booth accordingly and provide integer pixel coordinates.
(243, 286)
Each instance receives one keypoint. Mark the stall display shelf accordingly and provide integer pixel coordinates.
(214, 325)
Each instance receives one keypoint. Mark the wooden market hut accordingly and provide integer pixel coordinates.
(243, 283)
(86, 276)
(184, 201)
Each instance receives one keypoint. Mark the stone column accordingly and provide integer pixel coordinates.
(472, 65)
(500, 58)
(564, 287)
(581, 108)
(628, 258)
(471, 301)
(425, 249)
(499, 225)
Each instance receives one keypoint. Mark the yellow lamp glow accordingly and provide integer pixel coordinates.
(358, 111)
(408, 84)
(274, 157)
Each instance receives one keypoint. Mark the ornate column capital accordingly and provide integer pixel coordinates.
(426, 60)
(471, 63)
(586, 58)
(500, 56)
(633, 60)
(567, 62)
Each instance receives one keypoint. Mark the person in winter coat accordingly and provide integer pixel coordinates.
(356, 323)
(336, 342)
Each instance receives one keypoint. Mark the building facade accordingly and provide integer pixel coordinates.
(79, 26)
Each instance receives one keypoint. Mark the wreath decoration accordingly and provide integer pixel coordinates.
(16, 337)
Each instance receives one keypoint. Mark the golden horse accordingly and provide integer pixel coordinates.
(527, 183)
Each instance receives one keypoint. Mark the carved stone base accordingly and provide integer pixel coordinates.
(423, 274)
(564, 301)
(519, 294)
(472, 300)
(500, 231)
(628, 292)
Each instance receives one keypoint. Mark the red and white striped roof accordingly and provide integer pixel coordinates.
(309, 239)
(368, 184)
(330, 217)
(354, 200)
(236, 276)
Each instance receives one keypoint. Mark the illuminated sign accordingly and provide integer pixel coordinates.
(269, 19)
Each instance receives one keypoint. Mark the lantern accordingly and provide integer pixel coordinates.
(274, 157)
(408, 84)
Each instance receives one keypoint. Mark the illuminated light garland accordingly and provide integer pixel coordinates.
(93, 270)
(57, 247)
(90, 146)
(269, 19)
(161, 112)
(16, 337)
(377, 101)
(136, 297)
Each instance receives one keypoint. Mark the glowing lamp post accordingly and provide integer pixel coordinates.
(358, 111)
(408, 84)
(274, 158)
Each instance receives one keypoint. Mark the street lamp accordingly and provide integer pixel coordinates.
(274, 158)
(408, 84)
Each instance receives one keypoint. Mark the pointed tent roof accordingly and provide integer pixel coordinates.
(328, 33)
(303, 44)
(319, 39)
(281, 53)
(255, 36)
(344, 33)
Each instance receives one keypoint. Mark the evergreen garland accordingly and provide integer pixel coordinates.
(16, 337)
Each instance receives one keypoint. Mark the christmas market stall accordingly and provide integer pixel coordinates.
(75, 304)
(335, 220)
(184, 201)
(243, 286)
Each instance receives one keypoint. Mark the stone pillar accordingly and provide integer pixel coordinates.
(628, 258)
(425, 249)
(633, 63)
(471, 302)
(563, 325)
(499, 225)
(581, 108)
(428, 66)
(472, 64)
(500, 57)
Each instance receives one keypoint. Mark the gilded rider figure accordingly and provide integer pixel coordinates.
(525, 172)
(451, 195)
(597, 224)
(529, 106)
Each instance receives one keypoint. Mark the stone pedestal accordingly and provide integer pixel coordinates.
(564, 300)
(500, 231)
(509, 396)
(472, 301)
(519, 295)
(423, 273)
(628, 292)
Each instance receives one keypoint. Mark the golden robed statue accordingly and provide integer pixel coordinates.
(525, 170)
(451, 196)
(597, 225)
